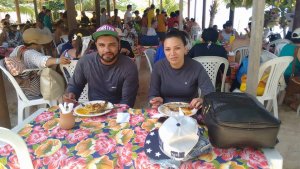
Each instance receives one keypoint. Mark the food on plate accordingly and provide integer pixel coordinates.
(93, 108)
(174, 107)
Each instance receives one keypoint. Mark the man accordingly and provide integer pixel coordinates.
(42, 28)
(84, 19)
(47, 20)
(115, 20)
(128, 15)
(5, 21)
(161, 25)
(42, 14)
(110, 75)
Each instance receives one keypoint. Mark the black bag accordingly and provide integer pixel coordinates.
(238, 120)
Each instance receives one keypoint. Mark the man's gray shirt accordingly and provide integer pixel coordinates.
(117, 83)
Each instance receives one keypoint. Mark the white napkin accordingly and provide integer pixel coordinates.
(123, 117)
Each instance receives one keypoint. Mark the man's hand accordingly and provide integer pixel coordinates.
(69, 98)
(156, 101)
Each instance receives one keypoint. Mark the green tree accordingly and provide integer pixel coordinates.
(169, 5)
(213, 11)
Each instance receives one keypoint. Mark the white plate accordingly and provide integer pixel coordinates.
(108, 106)
(166, 111)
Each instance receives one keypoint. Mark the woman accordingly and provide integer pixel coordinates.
(75, 52)
(178, 78)
(30, 57)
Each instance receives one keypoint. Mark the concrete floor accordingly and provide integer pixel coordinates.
(289, 134)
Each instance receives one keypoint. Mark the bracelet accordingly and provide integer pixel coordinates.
(57, 61)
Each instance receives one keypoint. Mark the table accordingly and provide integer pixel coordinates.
(102, 142)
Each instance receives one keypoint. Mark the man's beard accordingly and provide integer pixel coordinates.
(110, 59)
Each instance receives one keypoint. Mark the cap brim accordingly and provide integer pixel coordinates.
(151, 147)
(102, 33)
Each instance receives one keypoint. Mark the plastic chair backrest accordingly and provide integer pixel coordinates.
(266, 56)
(277, 42)
(18, 145)
(275, 67)
(150, 53)
(13, 81)
(243, 51)
(212, 64)
(64, 38)
(59, 47)
(68, 71)
(85, 44)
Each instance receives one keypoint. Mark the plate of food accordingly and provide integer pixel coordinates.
(93, 108)
(172, 108)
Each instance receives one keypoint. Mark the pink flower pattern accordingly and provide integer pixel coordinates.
(78, 135)
(44, 117)
(135, 119)
(106, 144)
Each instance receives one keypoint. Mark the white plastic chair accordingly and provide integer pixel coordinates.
(243, 51)
(18, 145)
(212, 65)
(278, 43)
(150, 54)
(266, 56)
(64, 38)
(23, 100)
(59, 47)
(85, 44)
(276, 68)
(68, 71)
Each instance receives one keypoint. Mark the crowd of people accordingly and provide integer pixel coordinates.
(107, 65)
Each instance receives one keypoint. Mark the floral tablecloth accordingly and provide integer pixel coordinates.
(100, 142)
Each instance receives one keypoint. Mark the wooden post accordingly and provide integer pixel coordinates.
(161, 5)
(255, 46)
(114, 1)
(18, 11)
(97, 10)
(296, 23)
(231, 13)
(189, 6)
(180, 15)
(71, 14)
(203, 14)
(108, 7)
(4, 114)
(195, 9)
(35, 9)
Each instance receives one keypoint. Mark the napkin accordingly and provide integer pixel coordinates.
(123, 117)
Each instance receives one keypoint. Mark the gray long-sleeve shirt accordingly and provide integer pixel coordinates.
(179, 84)
(117, 83)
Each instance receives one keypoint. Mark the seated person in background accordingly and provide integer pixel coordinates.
(75, 52)
(209, 46)
(13, 37)
(151, 30)
(42, 28)
(178, 78)
(110, 75)
(288, 50)
(32, 58)
(227, 32)
(84, 19)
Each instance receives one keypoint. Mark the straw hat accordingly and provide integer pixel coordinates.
(33, 35)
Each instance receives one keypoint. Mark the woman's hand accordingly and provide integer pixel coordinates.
(64, 60)
(156, 101)
(196, 103)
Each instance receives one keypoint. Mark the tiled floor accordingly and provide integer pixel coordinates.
(289, 134)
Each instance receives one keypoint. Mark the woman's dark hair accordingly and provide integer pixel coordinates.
(210, 35)
(78, 40)
(177, 34)
(102, 10)
(295, 40)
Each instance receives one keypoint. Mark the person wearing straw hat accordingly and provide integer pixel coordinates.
(31, 57)
(110, 75)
